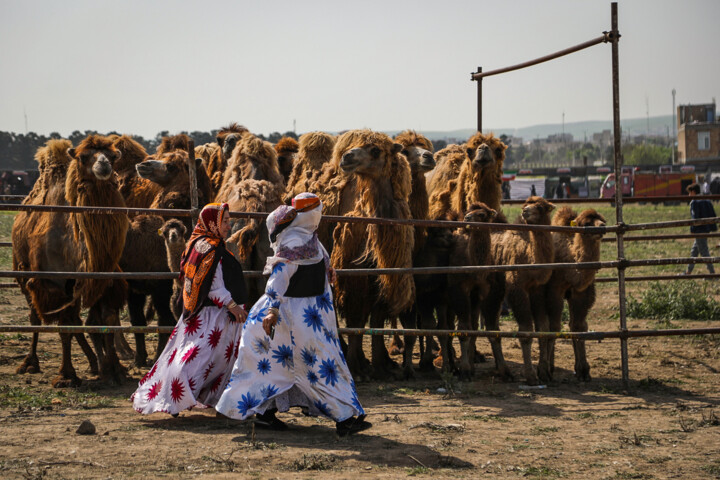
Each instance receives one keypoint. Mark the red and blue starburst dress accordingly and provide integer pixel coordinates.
(303, 364)
(196, 363)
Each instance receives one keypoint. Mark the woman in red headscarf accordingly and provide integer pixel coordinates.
(196, 363)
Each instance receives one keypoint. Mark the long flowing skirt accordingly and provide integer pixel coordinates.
(195, 365)
(302, 366)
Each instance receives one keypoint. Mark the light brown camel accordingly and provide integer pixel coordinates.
(368, 177)
(315, 150)
(252, 183)
(525, 289)
(50, 241)
(287, 149)
(205, 152)
(577, 286)
(174, 235)
(227, 138)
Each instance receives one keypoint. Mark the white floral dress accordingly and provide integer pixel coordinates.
(197, 360)
(302, 366)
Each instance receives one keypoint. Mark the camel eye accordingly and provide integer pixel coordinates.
(405, 152)
(375, 152)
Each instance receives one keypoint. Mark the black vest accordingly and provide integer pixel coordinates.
(307, 281)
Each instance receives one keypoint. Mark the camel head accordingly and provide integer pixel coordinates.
(590, 218)
(173, 231)
(536, 211)
(229, 137)
(255, 159)
(287, 149)
(365, 153)
(316, 148)
(485, 151)
(95, 156)
(418, 151)
(163, 169)
(479, 212)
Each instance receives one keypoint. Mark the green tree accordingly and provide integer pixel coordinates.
(646, 154)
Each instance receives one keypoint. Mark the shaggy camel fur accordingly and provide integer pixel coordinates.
(525, 288)
(478, 180)
(574, 285)
(77, 242)
(418, 150)
(205, 152)
(252, 183)
(315, 150)
(227, 138)
(137, 192)
(287, 149)
(174, 234)
(368, 177)
(455, 295)
(53, 162)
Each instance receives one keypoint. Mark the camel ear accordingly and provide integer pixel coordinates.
(397, 148)
(198, 163)
(550, 207)
(220, 140)
(470, 152)
(71, 152)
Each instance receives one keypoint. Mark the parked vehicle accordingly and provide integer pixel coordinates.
(643, 183)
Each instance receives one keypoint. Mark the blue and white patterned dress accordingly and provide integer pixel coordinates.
(302, 366)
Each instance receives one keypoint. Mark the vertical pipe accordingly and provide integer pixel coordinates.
(193, 181)
(618, 192)
(479, 101)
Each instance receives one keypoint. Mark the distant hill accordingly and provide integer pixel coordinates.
(659, 126)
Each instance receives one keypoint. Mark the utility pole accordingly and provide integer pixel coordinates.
(674, 125)
(295, 132)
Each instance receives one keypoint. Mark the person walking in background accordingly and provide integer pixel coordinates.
(700, 209)
(533, 192)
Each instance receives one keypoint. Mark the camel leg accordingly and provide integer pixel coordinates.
(30, 363)
(66, 375)
(542, 324)
(409, 320)
(490, 307)
(136, 304)
(554, 305)
(446, 320)
(461, 306)
(520, 304)
(357, 363)
(161, 302)
(396, 346)
(476, 322)
(110, 367)
(88, 351)
(579, 305)
(382, 364)
(427, 321)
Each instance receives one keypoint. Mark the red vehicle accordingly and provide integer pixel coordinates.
(639, 183)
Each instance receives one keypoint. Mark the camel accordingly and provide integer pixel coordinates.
(227, 138)
(418, 150)
(287, 149)
(574, 285)
(252, 183)
(49, 188)
(315, 150)
(205, 152)
(478, 179)
(49, 241)
(454, 295)
(524, 288)
(368, 177)
(174, 235)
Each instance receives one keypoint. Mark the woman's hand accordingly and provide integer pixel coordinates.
(269, 321)
(332, 276)
(238, 312)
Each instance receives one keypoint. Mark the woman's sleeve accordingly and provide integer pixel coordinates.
(219, 295)
(278, 282)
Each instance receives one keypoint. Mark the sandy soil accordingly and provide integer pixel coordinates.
(667, 425)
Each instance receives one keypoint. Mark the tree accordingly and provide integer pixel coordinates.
(646, 154)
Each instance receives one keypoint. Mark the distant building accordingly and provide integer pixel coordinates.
(698, 134)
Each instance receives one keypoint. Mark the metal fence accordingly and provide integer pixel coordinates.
(621, 263)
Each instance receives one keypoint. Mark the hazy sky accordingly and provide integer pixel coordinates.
(145, 66)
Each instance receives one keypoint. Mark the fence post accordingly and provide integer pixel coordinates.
(479, 100)
(192, 174)
(615, 37)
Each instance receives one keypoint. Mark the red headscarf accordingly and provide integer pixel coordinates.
(198, 260)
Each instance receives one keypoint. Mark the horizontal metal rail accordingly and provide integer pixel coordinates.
(645, 278)
(665, 198)
(385, 332)
(386, 271)
(646, 238)
(604, 38)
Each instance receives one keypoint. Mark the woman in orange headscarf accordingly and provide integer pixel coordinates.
(196, 363)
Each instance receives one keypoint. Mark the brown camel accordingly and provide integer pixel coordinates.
(479, 178)
(205, 152)
(174, 235)
(524, 288)
(287, 149)
(418, 150)
(368, 177)
(227, 138)
(457, 295)
(574, 285)
(252, 183)
(49, 241)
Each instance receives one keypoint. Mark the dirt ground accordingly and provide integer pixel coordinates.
(667, 425)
